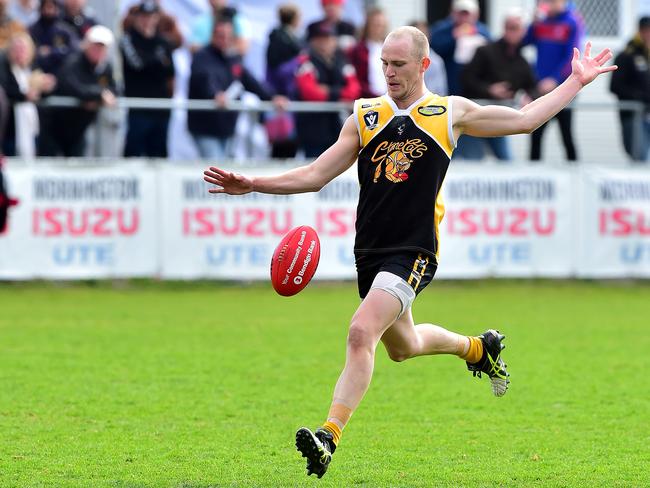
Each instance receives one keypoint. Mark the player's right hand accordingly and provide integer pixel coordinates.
(227, 182)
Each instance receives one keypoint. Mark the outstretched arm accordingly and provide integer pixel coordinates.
(490, 120)
(312, 177)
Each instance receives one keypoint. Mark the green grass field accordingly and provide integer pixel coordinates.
(197, 385)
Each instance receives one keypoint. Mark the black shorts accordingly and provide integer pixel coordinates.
(417, 269)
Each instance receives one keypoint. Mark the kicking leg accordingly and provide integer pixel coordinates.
(404, 340)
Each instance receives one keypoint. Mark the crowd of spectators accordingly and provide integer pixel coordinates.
(57, 47)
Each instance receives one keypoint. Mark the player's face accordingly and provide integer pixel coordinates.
(401, 67)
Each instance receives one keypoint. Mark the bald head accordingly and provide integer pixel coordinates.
(419, 42)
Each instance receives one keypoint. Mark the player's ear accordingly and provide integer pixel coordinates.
(426, 62)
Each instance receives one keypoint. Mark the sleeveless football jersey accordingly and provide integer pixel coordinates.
(402, 163)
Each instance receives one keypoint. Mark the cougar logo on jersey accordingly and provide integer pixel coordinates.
(371, 119)
(396, 166)
(398, 157)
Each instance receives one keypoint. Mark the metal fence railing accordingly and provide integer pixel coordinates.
(596, 126)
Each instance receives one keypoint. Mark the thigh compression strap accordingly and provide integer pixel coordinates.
(397, 287)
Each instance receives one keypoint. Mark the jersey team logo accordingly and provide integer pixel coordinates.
(397, 164)
(430, 110)
(371, 119)
(396, 158)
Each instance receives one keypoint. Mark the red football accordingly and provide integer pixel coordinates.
(295, 260)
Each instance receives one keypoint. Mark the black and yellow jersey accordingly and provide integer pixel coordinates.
(402, 163)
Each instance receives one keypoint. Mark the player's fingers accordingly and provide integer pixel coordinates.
(216, 176)
(588, 49)
(605, 59)
(605, 53)
(607, 69)
(212, 174)
(216, 190)
(219, 171)
(576, 54)
(213, 181)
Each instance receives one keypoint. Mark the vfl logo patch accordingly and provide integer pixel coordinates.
(430, 110)
(371, 119)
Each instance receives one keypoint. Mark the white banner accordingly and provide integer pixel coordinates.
(505, 221)
(615, 223)
(80, 222)
(127, 220)
(233, 237)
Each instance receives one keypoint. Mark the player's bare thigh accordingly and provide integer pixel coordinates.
(400, 339)
(376, 313)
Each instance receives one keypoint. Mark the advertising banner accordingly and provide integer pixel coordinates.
(129, 219)
(80, 222)
(615, 223)
(505, 221)
(233, 237)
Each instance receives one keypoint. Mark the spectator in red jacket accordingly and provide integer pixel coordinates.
(324, 75)
(365, 56)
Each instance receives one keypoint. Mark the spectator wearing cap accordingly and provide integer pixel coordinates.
(167, 25)
(54, 39)
(365, 55)
(88, 76)
(78, 16)
(23, 86)
(456, 39)
(217, 73)
(498, 71)
(345, 31)
(556, 30)
(148, 73)
(631, 82)
(24, 11)
(324, 75)
(8, 25)
(201, 31)
(435, 77)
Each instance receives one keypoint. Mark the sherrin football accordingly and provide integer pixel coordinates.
(295, 260)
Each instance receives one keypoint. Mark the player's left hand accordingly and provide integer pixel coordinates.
(587, 69)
